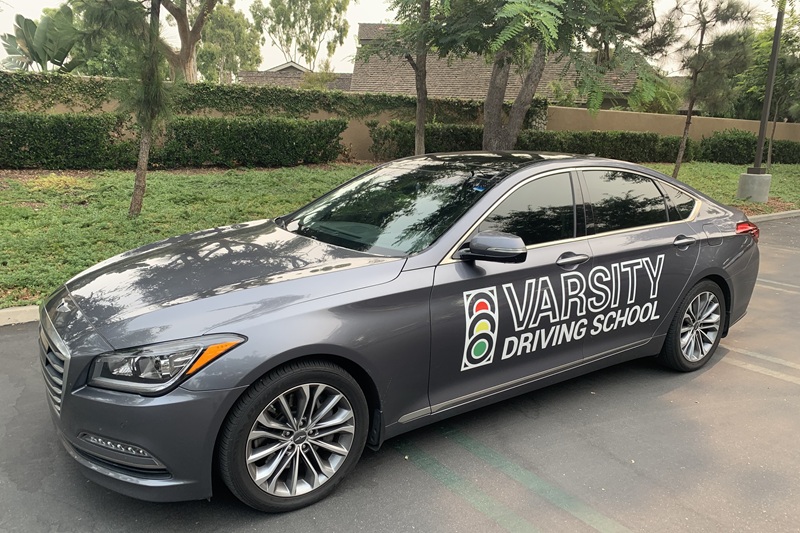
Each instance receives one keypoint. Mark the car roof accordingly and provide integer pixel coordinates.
(498, 161)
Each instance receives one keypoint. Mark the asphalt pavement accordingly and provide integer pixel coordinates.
(630, 448)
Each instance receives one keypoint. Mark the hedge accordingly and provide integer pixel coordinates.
(32, 140)
(252, 142)
(105, 141)
(396, 139)
(36, 92)
(738, 147)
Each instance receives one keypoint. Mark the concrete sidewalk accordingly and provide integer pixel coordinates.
(30, 313)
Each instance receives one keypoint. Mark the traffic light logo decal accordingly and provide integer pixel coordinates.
(480, 307)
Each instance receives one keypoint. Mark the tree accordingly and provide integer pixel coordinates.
(46, 45)
(300, 28)
(715, 50)
(415, 33)
(320, 79)
(751, 84)
(184, 60)
(230, 43)
(139, 25)
(190, 17)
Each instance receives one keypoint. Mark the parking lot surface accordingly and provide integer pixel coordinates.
(630, 448)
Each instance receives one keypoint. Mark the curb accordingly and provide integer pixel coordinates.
(775, 216)
(19, 315)
(30, 313)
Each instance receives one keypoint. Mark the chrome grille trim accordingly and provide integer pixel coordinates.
(54, 360)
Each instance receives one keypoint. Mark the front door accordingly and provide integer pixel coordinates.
(495, 325)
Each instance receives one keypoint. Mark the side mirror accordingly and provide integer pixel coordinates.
(495, 246)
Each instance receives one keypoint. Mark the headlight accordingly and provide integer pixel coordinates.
(155, 368)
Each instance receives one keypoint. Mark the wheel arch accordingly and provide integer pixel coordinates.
(367, 385)
(724, 286)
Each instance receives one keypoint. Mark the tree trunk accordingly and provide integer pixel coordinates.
(522, 103)
(140, 182)
(421, 78)
(682, 146)
(495, 97)
(188, 57)
(184, 61)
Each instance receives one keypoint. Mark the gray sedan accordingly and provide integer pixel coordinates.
(274, 351)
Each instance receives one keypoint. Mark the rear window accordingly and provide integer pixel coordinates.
(681, 204)
(622, 200)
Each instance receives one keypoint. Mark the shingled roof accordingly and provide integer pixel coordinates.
(290, 78)
(460, 78)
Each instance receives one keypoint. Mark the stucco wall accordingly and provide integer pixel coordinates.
(577, 119)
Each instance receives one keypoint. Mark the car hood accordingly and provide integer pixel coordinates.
(187, 285)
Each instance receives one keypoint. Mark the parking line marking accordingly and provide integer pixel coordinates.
(762, 370)
(536, 484)
(763, 357)
(479, 500)
(774, 288)
(763, 280)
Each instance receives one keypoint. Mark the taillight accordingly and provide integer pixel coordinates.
(748, 227)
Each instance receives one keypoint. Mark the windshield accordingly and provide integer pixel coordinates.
(394, 210)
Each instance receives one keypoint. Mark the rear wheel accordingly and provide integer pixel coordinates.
(696, 329)
(293, 436)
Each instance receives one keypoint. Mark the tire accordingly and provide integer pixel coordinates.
(293, 436)
(696, 328)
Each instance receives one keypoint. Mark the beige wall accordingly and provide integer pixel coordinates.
(356, 137)
(578, 119)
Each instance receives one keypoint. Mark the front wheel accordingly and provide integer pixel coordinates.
(293, 436)
(696, 329)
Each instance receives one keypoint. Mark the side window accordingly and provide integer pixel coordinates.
(622, 200)
(681, 204)
(540, 211)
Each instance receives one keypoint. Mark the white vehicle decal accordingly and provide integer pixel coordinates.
(542, 321)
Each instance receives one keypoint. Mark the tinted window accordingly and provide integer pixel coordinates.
(681, 204)
(622, 200)
(540, 211)
(397, 209)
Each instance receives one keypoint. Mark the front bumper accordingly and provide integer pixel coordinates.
(177, 432)
(151, 448)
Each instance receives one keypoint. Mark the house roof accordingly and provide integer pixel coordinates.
(460, 78)
(289, 66)
(290, 78)
(371, 31)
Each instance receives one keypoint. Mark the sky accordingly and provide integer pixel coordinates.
(342, 61)
(363, 11)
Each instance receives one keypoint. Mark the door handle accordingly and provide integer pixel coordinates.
(682, 241)
(571, 259)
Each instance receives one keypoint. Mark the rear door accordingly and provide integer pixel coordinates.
(644, 255)
(494, 325)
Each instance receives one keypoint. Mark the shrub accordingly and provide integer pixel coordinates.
(736, 147)
(787, 152)
(637, 147)
(66, 141)
(254, 142)
(396, 139)
(667, 150)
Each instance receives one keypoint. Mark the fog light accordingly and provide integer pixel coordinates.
(114, 445)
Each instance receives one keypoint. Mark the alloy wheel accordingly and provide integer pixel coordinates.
(300, 440)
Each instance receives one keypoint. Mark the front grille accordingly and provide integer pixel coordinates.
(54, 364)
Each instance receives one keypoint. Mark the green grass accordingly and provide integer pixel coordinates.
(54, 226)
(720, 181)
